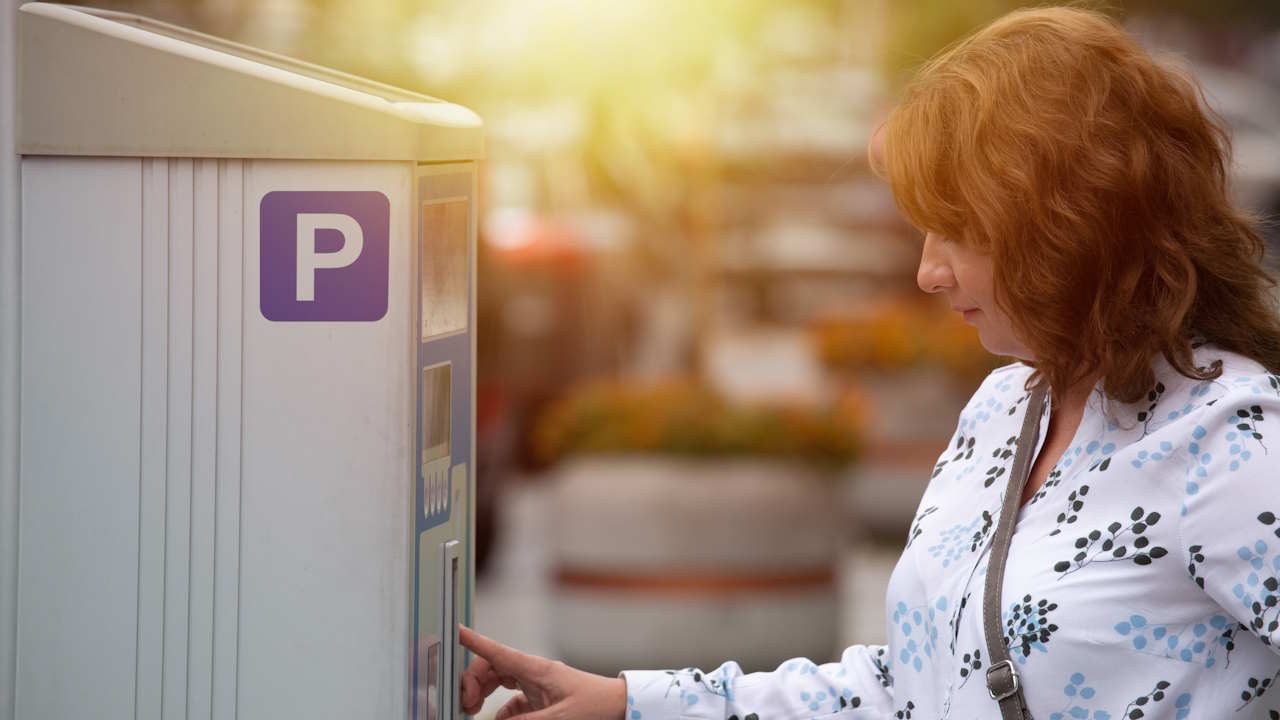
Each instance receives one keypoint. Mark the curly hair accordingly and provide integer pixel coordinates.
(1096, 179)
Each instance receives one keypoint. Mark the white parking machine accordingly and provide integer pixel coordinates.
(241, 406)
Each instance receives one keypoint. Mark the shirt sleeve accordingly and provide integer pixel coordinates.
(1230, 533)
(860, 683)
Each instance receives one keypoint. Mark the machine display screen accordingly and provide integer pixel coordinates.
(436, 415)
(444, 266)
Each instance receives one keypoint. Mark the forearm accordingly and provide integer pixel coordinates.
(798, 688)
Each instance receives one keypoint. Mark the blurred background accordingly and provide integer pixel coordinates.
(709, 391)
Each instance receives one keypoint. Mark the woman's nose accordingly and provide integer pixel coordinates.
(934, 273)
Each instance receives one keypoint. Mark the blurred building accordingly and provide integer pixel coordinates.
(678, 188)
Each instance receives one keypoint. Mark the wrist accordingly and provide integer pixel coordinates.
(620, 695)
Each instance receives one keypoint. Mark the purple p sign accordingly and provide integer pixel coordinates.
(324, 255)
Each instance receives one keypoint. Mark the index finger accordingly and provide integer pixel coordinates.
(503, 659)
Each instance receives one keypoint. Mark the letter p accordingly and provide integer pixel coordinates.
(309, 260)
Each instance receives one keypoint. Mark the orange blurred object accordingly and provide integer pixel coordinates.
(901, 334)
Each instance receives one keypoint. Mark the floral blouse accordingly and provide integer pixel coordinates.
(1141, 580)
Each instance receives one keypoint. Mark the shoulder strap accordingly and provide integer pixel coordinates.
(1002, 678)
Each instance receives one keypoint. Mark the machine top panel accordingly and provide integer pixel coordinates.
(95, 82)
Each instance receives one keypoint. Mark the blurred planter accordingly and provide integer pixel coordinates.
(672, 561)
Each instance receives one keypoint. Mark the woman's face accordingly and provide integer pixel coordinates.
(964, 276)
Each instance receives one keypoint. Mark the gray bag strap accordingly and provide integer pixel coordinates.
(1002, 678)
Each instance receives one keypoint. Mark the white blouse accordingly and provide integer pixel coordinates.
(1141, 581)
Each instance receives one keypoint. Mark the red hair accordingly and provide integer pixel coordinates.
(1096, 179)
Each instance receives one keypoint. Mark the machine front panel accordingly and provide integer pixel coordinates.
(442, 480)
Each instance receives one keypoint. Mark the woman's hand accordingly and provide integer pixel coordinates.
(549, 690)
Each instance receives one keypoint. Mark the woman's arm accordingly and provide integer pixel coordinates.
(1230, 530)
(859, 684)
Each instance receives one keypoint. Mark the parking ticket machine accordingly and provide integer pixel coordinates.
(244, 313)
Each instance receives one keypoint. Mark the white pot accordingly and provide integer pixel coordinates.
(913, 404)
(915, 411)
(667, 561)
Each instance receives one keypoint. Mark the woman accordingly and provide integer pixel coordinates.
(1072, 194)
